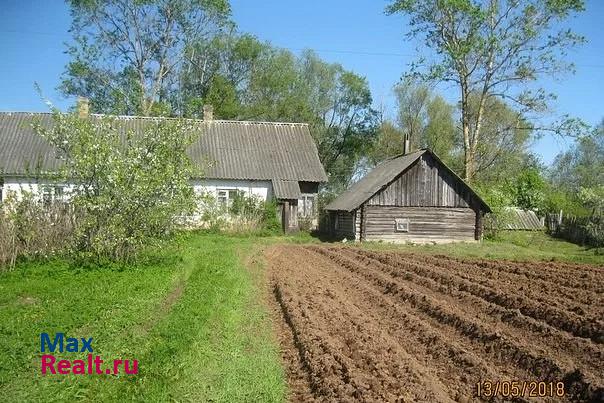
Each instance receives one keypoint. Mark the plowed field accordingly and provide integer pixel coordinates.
(385, 326)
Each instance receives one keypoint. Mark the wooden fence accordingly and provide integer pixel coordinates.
(587, 231)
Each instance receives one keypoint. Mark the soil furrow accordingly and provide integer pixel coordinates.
(500, 346)
(571, 322)
(513, 320)
(357, 325)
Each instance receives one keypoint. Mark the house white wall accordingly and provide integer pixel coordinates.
(19, 186)
(261, 189)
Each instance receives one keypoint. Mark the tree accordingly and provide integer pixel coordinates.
(528, 189)
(412, 103)
(127, 55)
(503, 152)
(491, 49)
(440, 133)
(335, 102)
(127, 188)
(424, 118)
(582, 165)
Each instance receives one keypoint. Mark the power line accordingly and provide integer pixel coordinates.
(337, 51)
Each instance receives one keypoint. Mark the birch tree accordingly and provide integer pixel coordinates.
(126, 55)
(492, 49)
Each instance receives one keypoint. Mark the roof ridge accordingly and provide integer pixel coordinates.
(133, 117)
(24, 113)
(200, 120)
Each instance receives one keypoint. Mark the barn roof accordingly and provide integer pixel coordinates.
(382, 175)
(225, 150)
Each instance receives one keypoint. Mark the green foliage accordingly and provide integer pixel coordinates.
(593, 199)
(29, 229)
(528, 190)
(587, 230)
(557, 200)
(492, 50)
(577, 176)
(499, 200)
(127, 188)
(506, 136)
(582, 165)
(426, 119)
(142, 71)
(126, 54)
(245, 215)
(269, 218)
(440, 134)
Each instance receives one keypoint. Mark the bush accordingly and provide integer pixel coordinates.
(246, 214)
(28, 229)
(587, 231)
(128, 186)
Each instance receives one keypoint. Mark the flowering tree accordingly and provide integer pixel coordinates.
(128, 186)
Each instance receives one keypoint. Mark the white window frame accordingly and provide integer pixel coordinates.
(51, 194)
(303, 203)
(401, 224)
(228, 196)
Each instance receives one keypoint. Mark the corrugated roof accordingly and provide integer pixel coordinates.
(285, 189)
(518, 219)
(233, 149)
(381, 176)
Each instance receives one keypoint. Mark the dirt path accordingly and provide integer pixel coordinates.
(383, 326)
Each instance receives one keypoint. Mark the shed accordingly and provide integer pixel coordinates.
(412, 197)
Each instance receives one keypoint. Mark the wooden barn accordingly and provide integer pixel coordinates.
(413, 197)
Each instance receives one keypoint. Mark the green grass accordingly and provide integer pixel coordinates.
(518, 245)
(213, 343)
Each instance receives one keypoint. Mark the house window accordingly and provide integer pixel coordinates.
(225, 197)
(51, 195)
(307, 205)
(402, 224)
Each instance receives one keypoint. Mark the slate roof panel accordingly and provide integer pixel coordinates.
(233, 149)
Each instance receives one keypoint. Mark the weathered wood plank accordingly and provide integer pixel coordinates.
(424, 223)
(423, 185)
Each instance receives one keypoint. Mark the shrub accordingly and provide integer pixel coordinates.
(29, 229)
(128, 186)
(245, 214)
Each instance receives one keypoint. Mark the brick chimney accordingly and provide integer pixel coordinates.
(83, 107)
(208, 113)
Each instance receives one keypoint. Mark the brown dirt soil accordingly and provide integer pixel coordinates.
(358, 325)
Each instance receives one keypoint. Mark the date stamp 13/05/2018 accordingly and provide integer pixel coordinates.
(519, 389)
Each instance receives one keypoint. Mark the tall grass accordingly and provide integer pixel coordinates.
(30, 229)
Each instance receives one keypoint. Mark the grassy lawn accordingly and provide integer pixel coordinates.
(192, 320)
(519, 245)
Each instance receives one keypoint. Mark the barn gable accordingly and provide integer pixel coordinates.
(418, 179)
(425, 184)
(409, 198)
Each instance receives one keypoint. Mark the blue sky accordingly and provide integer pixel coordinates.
(356, 34)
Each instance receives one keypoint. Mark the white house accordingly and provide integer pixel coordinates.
(268, 159)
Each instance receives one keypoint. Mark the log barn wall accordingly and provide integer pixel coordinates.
(413, 197)
(426, 224)
(439, 207)
(343, 225)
